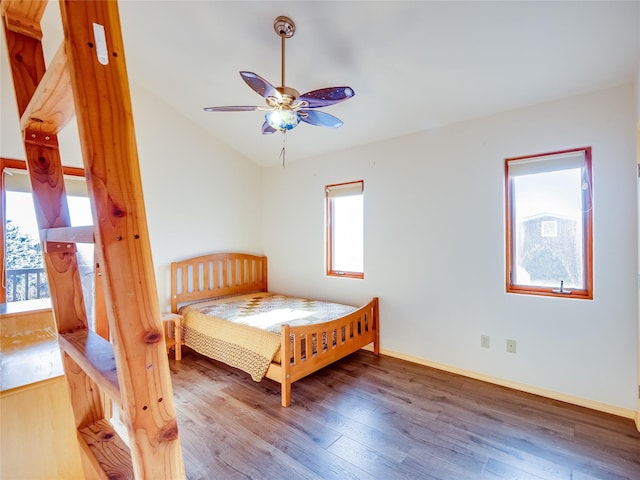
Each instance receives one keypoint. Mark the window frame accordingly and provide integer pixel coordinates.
(587, 226)
(330, 271)
(10, 163)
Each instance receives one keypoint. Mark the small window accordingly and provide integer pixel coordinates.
(549, 224)
(345, 229)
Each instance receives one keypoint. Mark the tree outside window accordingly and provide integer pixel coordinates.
(549, 224)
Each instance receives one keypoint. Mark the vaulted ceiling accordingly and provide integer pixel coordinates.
(414, 66)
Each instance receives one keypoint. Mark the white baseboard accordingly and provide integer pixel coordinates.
(563, 397)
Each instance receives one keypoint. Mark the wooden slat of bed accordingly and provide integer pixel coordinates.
(233, 274)
(237, 274)
(359, 330)
(225, 274)
(215, 267)
(360, 327)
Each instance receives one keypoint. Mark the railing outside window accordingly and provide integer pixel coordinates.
(26, 284)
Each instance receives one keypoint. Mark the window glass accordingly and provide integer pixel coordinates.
(549, 224)
(25, 274)
(345, 229)
(24, 266)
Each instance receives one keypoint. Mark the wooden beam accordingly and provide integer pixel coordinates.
(68, 234)
(110, 155)
(95, 356)
(22, 165)
(24, 17)
(26, 59)
(84, 393)
(51, 106)
(109, 455)
(52, 211)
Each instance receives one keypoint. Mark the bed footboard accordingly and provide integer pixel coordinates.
(316, 346)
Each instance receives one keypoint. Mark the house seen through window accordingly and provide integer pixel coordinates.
(549, 224)
(345, 229)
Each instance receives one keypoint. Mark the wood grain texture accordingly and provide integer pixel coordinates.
(368, 417)
(110, 453)
(51, 106)
(101, 94)
(84, 393)
(94, 355)
(26, 59)
(47, 184)
(37, 437)
(24, 16)
(105, 123)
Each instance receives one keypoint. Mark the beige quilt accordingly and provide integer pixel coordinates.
(244, 331)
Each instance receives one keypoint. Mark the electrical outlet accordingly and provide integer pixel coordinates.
(484, 341)
(511, 346)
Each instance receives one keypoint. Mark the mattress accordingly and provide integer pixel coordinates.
(244, 331)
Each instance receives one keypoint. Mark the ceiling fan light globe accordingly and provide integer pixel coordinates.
(282, 119)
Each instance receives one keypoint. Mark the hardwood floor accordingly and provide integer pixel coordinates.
(382, 418)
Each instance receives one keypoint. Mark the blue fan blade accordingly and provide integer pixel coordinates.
(260, 85)
(230, 109)
(267, 129)
(326, 96)
(320, 119)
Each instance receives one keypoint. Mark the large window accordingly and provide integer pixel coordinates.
(345, 229)
(549, 224)
(24, 276)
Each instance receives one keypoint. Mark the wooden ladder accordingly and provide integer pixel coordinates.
(88, 77)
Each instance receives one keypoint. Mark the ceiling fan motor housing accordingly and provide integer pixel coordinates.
(289, 95)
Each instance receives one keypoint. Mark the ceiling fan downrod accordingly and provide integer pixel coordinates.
(285, 28)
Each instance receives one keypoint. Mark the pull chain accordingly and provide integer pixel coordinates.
(284, 146)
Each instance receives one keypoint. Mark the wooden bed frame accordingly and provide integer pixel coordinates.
(223, 274)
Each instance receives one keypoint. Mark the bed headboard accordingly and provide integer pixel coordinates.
(216, 275)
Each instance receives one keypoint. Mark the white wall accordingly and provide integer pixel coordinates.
(638, 94)
(200, 196)
(434, 247)
(638, 204)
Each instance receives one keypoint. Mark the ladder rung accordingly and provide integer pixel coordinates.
(95, 356)
(149, 447)
(24, 17)
(68, 234)
(51, 106)
(106, 451)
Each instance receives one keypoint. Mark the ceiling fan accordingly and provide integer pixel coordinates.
(285, 108)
